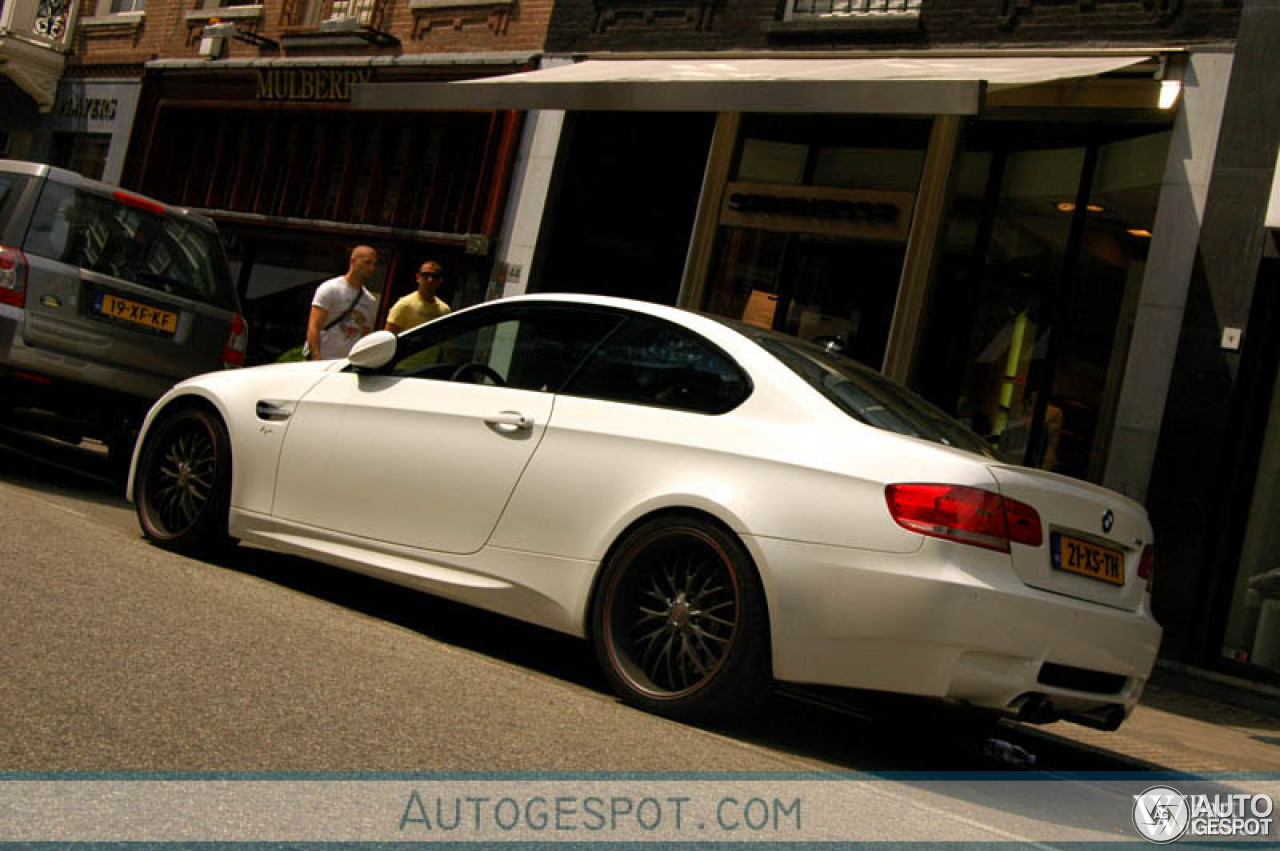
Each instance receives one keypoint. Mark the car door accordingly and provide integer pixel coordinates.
(426, 452)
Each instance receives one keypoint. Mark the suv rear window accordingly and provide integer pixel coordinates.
(166, 253)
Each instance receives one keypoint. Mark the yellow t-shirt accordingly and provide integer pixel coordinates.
(410, 311)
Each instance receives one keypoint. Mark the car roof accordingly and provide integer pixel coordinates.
(73, 178)
(705, 325)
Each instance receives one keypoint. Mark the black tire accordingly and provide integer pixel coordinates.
(679, 622)
(183, 482)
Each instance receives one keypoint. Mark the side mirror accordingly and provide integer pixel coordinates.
(374, 351)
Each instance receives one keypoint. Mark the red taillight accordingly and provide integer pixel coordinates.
(1024, 523)
(237, 343)
(972, 516)
(1147, 567)
(139, 202)
(13, 277)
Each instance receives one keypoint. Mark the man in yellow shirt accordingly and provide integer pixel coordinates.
(421, 305)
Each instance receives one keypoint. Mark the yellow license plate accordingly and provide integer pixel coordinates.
(1087, 559)
(138, 313)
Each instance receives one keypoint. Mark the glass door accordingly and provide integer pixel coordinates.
(1031, 308)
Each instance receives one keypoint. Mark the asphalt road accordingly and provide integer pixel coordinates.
(119, 656)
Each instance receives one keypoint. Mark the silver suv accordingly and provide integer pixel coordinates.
(107, 298)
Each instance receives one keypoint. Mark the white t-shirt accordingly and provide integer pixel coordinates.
(334, 295)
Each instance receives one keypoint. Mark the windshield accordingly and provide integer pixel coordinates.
(865, 394)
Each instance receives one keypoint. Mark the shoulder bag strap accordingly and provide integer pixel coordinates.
(350, 307)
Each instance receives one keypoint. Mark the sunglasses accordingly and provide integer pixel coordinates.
(431, 274)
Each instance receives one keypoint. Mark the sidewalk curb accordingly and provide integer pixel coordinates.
(1244, 694)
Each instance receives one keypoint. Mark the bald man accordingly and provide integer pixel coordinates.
(342, 310)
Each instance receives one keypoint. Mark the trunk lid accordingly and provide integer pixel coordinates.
(1093, 538)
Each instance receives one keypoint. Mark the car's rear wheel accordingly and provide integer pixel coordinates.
(183, 482)
(679, 622)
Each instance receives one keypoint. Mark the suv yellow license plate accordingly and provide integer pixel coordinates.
(128, 310)
(1087, 559)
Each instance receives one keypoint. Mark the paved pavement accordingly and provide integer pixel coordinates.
(1193, 721)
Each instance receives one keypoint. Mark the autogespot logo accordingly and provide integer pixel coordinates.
(1161, 814)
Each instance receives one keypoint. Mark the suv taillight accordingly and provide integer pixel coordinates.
(1147, 567)
(971, 516)
(237, 343)
(13, 277)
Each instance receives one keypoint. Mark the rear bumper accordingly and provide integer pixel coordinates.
(951, 622)
(56, 376)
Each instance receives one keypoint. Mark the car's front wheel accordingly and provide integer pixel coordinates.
(183, 482)
(679, 622)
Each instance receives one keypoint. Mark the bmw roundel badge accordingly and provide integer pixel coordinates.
(1108, 520)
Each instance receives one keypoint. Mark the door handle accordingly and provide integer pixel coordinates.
(511, 419)
(271, 411)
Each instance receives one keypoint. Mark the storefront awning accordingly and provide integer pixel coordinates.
(892, 84)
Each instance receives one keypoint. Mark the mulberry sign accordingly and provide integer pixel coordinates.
(854, 213)
(310, 84)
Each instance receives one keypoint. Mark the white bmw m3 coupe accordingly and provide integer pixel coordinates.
(712, 505)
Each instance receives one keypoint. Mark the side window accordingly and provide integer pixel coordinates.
(107, 236)
(526, 347)
(648, 362)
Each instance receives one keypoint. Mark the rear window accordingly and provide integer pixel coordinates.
(166, 253)
(865, 394)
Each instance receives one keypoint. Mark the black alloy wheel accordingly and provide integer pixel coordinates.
(183, 482)
(679, 624)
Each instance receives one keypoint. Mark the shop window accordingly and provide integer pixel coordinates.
(1030, 314)
(813, 227)
(415, 173)
(84, 153)
(1253, 622)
